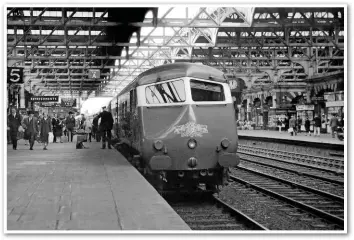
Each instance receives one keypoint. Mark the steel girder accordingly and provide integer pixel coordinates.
(278, 45)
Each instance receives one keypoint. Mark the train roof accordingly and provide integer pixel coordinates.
(177, 70)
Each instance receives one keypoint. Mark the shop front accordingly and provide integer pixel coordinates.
(304, 112)
(335, 103)
(275, 114)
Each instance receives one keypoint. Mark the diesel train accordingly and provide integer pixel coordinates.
(178, 122)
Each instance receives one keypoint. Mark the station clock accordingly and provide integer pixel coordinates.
(233, 84)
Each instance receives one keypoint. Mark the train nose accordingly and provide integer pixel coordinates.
(192, 162)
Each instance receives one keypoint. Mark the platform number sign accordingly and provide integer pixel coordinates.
(94, 74)
(14, 75)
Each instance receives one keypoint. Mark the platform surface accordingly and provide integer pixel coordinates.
(65, 188)
(323, 138)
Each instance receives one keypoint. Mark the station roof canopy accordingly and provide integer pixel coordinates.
(60, 48)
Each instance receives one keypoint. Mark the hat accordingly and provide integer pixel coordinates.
(104, 107)
(70, 112)
(30, 112)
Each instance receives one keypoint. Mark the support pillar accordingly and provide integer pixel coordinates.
(22, 96)
(274, 100)
(248, 112)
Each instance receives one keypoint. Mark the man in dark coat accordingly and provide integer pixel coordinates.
(95, 132)
(70, 124)
(14, 121)
(31, 128)
(106, 127)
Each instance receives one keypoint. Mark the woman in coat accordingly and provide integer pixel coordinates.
(45, 127)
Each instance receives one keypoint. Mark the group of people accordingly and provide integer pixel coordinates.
(31, 126)
(34, 128)
(100, 127)
(294, 126)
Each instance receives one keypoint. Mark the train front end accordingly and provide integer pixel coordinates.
(189, 133)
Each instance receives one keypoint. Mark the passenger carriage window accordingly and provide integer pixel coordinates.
(206, 91)
(167, 92)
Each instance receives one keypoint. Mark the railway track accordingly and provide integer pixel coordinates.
(330, 185)
(316, 162)
(326, 174)
(208, 212)
(325, 205)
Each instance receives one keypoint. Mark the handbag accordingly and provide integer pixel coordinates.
(283, 125)
(303, 128)
(50, 137)
(290, 130)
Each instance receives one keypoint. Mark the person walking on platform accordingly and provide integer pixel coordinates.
(292, 126)
(70, 124)
(317, 125)
(334, 124)
(105, 127)
(307, 126)
(57, 128)
(45, 127)
(30, 125)
(14, 122)
(88, 128)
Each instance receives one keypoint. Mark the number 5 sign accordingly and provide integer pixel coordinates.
(14, 75)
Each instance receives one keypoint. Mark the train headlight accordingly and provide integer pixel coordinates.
(225, 143)
(192, 143)
(158, 145)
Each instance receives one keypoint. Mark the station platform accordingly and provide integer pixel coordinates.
(323, 138)
(65, 188)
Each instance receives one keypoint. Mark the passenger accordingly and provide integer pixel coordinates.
(334, 124)
(57, 128)
(105, 127)
(45, 127)
(25, 135)
(307, 126)
(88, 128)
(317, 125)
(14, 122)
(298, 124)
(279, 124)
(82, 121)
(70, 124)
(286, 123)
(30, 125)
(292, 126)
(95, 125)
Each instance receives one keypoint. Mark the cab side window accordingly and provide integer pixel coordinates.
(166, 92)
